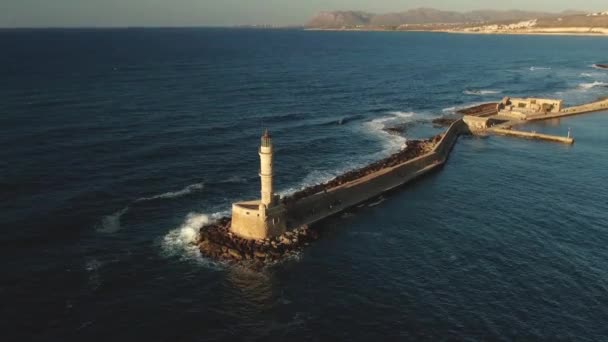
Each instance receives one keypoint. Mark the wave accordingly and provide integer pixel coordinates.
(343, 121)
(181, 241)
(173, 194)
(111, 223)
(594, 84)
(534, 68)
(586, 74)
(596, 66)
(392, 142)
(234, 180)
(481, 92)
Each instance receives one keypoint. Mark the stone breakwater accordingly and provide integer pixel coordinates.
(217, 242)
(414, 148)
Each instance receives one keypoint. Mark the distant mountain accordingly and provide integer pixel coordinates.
(338, 19)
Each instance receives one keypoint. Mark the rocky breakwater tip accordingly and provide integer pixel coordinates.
(217, 242)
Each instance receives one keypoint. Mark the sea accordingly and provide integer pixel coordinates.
(119, 144)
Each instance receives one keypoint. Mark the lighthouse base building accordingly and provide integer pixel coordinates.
(263, 218)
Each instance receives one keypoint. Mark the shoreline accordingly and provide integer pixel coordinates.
(515, 33)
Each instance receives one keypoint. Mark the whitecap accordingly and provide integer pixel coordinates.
(481, 92)
(173, 194)
(594, 84)
(534, 68)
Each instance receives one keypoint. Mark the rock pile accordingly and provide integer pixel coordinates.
(217, 242)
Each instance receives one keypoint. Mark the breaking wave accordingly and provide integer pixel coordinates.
(598, 67)
(481, 92)
(111, 223)
(592, 85)
(181, 241)
(392, 143)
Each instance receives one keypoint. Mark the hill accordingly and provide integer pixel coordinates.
(340, 19)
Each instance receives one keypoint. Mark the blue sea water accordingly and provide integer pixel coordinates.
(118, 144)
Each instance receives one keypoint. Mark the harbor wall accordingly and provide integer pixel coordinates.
(316, 207)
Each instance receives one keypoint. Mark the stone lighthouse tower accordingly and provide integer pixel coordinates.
(263, 218)
(266, 170)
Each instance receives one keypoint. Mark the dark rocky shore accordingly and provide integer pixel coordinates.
(217, 242)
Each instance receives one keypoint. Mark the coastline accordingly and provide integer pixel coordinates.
(514, 33)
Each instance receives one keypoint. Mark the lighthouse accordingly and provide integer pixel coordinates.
(266, 217)
(267, 198)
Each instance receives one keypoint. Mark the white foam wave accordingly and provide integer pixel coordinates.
(173, 194)
(592, 85)
(392, 142)
(534, 68)
(404, 115)
(586, 74)
(481, 92)
(181, 242)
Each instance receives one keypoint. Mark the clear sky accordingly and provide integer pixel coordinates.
(67, 13)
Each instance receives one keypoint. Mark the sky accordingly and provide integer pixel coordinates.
(112, 13)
